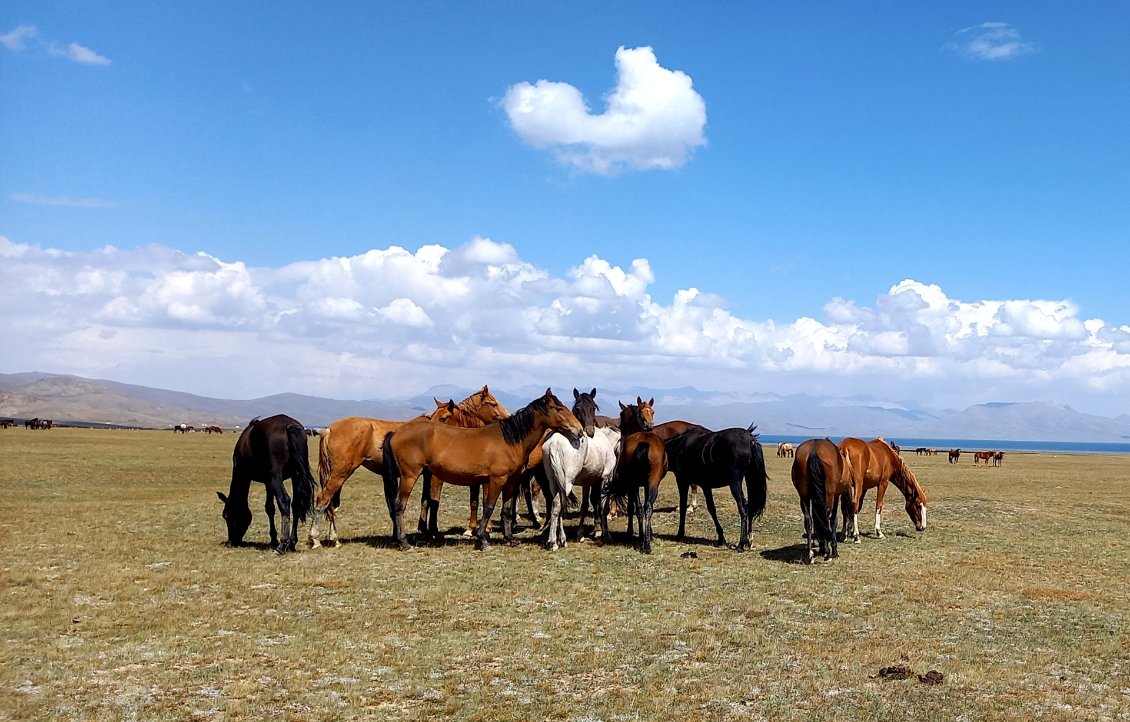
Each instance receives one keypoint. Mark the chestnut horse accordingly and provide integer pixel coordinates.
(875, 464)
(642, 464)
(821, 474)
(355, 441)
(493, 455)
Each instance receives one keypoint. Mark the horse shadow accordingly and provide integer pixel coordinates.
(791, 554)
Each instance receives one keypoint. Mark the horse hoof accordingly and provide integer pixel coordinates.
(514, 542)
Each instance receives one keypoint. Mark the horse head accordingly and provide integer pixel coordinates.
(483, 404)
(915, 497)
(559, 418)
(636, 417)
(238, 519)
(585, 408)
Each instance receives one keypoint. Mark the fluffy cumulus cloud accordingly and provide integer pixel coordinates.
(19, 38)
(990, 41)
(394, 321)
(653, 118)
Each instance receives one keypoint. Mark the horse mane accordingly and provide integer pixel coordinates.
(518, 426)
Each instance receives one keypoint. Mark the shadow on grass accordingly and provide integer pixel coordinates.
(791, 554)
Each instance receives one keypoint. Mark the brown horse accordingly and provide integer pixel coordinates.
(642, 464)
(874, 465)
(821, 474)
(355, 441)
(985, 456)
(955, 455)
(493, 455)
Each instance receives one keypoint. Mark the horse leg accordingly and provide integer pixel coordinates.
(527, 485)
(743, 512)
(510, 511)
(833, 543)
(493, 488)
(880, 492)
(554, 502)
(708, 495)
(283, 499)
(806, 511)
(646, 531)
(856, 507)
(473, 521)
(684, 489)
(269, 508)
(693, 503)
(638, 514)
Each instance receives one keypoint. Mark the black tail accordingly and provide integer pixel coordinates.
(817, 498)
(391, 474)
(756, 478)
(303, 479)
(641, 464)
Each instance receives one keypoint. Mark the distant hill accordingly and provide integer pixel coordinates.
(72, 399)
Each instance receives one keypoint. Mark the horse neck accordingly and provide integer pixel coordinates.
(903, 483)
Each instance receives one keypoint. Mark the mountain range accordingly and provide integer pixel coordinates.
(77, 400)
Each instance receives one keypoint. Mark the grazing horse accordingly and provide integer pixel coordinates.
(642, 464)
(955, 454)
(587, 462)
(714, 459)
(493, 455)
(821, 474)
(268, 451)
(785, 449)
(213, 429)
(355, 441)
(875, 464)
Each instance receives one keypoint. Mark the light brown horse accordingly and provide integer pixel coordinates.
(355, 441)
(641, 464)
(874, 465)
(493, 455)
(821, 474)
(464, 416)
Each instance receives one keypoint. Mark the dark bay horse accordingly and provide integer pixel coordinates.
(493, 455)
(715, 459)
(355, 441)
(642, 464)
(875, 464)
(821, 476)
(268, 451)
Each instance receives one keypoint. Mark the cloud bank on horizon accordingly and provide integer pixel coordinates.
(391, 322)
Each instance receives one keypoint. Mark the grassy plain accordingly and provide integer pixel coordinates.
(121, 603)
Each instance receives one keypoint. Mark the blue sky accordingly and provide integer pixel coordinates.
(926, 203)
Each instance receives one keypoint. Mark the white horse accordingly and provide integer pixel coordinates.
(585, 463)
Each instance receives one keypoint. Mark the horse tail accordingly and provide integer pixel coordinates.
(817, 497)
(303, 479)
(325, 457)
(391, 473)
(757, 477)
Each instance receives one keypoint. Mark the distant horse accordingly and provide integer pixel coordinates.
(785, 449)
(874, 465)
(32, 423)
(985, 456)
(213, 429)
(714, 459)
(642, 464)
(921, 451)
(587, 462)
(998, 458)
(183, 428)
(955, 454)
(493, 455)
(821, 475)
(5, 423)
(355, 441)
(268, 451)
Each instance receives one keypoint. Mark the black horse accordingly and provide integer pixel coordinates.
(268, 451)
(713, 459)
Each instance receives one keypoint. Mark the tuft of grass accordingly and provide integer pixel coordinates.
(121, 602)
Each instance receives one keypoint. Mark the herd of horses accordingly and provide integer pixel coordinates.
(617, 463)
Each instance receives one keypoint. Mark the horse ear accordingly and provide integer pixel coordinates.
(639, 401)
(548, 392)
(222, 497)
(576, 394)
(651, 401)
(593, 393)
(450, 405)
(438, 402)
(622, 406)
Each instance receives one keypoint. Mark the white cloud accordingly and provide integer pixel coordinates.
(391, 322)
(990, 41)
(16, 39)
(78, 53)
(653, 118)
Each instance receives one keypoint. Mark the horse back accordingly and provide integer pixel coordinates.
(456, 455)
(263, 448)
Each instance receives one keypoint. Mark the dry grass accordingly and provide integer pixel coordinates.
(120, 603)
